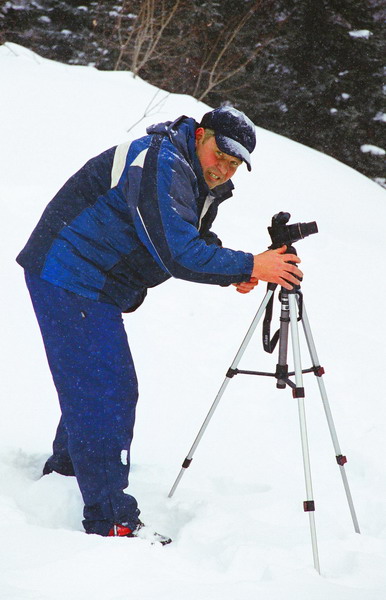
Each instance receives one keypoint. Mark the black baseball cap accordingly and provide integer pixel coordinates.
(234, 132)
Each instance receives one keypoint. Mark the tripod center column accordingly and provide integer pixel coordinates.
(282, 366)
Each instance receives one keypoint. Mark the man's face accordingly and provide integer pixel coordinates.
(217, 166)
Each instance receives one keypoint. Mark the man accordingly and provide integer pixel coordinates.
(129, 219)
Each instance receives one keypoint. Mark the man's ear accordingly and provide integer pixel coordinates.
(200, 132)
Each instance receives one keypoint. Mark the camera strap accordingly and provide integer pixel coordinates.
(268, 343)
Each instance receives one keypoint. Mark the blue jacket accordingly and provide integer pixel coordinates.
(132, 217)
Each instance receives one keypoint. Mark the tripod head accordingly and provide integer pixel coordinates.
(282, 234)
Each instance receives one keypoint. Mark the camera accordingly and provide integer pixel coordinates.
(282, 234)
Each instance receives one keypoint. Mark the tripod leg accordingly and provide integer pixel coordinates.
(223, 387)
(341, 460)
(298, 392)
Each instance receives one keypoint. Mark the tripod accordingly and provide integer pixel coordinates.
(292, 311)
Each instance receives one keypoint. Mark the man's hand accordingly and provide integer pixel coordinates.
(274, 266)
(246, 286)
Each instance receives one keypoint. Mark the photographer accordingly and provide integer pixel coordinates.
(128, 220)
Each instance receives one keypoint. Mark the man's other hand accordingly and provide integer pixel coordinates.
(246, 286)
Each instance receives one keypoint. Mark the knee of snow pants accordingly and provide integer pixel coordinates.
(93, 372)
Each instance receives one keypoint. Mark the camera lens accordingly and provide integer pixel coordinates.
(308, 228)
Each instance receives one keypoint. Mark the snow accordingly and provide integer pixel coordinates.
(380, 116)
(360, 33)
(376, 150)
(237, 517)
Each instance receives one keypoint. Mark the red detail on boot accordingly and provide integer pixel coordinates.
(119, 530)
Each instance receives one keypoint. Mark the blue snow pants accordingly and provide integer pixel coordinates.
(94, 375)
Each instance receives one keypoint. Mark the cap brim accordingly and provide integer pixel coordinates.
(233, 148)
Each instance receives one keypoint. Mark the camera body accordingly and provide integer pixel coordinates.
(282, 234)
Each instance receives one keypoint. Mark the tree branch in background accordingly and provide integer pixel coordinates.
(141, 41)
(151, 108)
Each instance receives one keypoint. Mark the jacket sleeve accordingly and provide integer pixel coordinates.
(210, 237)
(166, 222)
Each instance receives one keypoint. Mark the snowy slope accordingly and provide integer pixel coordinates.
(237, 521)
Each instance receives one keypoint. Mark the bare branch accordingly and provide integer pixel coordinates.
(143, 39)
(226, 43)
(215, 80)
(123, 45)
(164, 22)
(222, 71)
(151, 108)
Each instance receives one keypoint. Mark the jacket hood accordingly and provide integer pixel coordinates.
(181, 133)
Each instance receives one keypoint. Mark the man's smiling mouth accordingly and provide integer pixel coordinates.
(213, 176)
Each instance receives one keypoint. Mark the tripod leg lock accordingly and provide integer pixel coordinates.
(231, 373)
(319, 371)
(341, 460)
(281, 372)
(298, 392)
(309, 505)
(186, 463)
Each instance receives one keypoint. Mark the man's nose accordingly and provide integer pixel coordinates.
(222, 167)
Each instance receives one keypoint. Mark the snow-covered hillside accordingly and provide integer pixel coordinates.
(237, 518)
